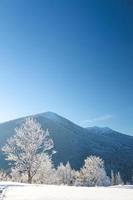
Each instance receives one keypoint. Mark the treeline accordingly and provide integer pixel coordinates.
(28, 154)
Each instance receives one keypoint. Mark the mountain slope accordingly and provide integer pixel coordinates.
(75, 143)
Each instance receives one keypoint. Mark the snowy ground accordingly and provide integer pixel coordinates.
(46, 192)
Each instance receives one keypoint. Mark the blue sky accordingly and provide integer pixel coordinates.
(72, 57)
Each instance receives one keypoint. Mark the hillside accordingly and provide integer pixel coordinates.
(75, 143)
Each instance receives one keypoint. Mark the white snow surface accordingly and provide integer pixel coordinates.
(17, 191)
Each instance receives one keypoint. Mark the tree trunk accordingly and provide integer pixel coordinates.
(29, 177)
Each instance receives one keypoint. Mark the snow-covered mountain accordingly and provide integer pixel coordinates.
(75, 143)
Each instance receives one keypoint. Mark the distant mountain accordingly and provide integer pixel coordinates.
(100, 130)
(75, 143)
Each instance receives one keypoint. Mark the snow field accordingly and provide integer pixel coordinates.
(51, 192)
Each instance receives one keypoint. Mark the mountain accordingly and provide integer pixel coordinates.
(75, 143)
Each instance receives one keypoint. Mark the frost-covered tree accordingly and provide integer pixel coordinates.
(17, 176)
(116, 179)
(65, 175)
(119, 180)
(93, 173)
(46, 172)
(26, 148)
(44, 175)
(113, 179)
(3, 176)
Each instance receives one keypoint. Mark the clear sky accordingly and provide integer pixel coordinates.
(72, 57)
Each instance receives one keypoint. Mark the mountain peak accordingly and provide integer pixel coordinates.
(48, 114)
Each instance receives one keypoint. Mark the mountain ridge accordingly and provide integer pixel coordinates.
(75, 143)
(59, 116)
